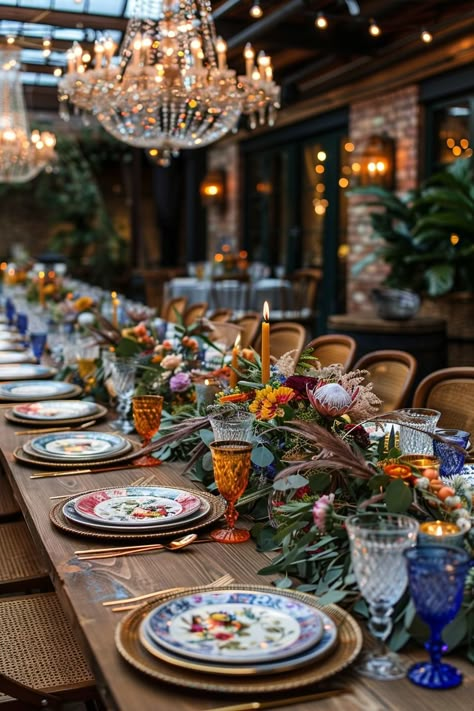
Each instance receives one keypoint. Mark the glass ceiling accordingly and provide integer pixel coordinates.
(28, 35)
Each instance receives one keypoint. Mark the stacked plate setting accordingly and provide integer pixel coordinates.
(48, 412)
(238, 632)
(137, 509)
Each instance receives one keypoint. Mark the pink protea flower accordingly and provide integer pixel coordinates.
(320, 510)
(330, 399)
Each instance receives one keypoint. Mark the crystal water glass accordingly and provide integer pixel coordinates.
(123, 371)
(414, 432)
(377, 542)
(451, 459)
(236, 425)
(436, 577)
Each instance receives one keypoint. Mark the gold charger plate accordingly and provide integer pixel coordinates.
(32, 423)
(30, 460)
(129, 646)
(216, 511)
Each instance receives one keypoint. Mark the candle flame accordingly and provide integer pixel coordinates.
(113, 295)
(41, 275)
(266, 311)
(237, 341)
(206, 382)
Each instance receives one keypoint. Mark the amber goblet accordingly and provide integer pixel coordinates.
(231, 462)
(147, 411)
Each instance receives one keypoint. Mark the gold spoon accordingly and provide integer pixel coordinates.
(132, 550)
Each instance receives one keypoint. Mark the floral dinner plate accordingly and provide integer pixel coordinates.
(69, 512)
(77, 445)
(309, 656)
(26, 390)
(26, 370)
(138, 505)
(56, 410)
(230, 626)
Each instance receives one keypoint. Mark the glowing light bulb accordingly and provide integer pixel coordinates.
(321, 23)
(256, 11)
(374, 29)
(426, 36)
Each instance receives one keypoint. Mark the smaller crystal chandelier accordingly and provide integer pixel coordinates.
(22, 155)
(171, 87)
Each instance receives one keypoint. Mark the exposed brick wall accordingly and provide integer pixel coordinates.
(398, 115)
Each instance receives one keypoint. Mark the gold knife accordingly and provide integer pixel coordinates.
(249, 705)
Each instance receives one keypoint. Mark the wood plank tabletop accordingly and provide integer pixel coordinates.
(84, 585)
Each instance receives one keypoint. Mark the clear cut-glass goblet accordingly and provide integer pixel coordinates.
(377, 542)
(231, 464)
(122, 374)
(147, 411)
(436, 576)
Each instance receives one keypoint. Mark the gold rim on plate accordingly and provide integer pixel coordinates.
(216, 511)
(34, 422)
(348, 647)
(24, 458)
(73, 460)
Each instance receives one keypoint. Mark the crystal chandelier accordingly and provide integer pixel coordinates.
(171, 87)
(22, 154)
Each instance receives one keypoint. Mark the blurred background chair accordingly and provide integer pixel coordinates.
(194, 313)
(451, 391)
(249, 324)
(220, 315)
(41, 665)
(305, 287)
(285, 336)
(174, 309)
(333, 348)
(392, 374)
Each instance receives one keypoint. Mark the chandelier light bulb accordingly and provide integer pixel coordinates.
(426, 36)
(10, 39)
(321, 21)
(374, 29)
(256, 11)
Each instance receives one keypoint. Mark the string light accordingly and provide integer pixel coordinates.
(10, 39)
(426, 36)
(374, 29)
(321, 21)
(256, 11)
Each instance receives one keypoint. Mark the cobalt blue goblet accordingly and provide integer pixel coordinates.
(38, 342)
(22, 323)
(436, 576)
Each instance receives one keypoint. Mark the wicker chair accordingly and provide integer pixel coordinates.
(451, 391)
(392, 374)
(21, 568)
(9, 508)
(194, 313)
(41, 665)
(333, 348)
(249, 324)
(220, 315)
(285, 336)
(174, 309)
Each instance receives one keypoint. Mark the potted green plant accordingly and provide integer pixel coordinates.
(426, 237)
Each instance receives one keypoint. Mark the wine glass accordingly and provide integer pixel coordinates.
(147, 411)
(122, 373)
(377, 542)
(436, 577)
(231, 462)
(38, 343)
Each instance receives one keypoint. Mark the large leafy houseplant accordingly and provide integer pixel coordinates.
(426, 235)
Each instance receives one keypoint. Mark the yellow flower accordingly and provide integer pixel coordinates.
(83, 303)
(269, 402)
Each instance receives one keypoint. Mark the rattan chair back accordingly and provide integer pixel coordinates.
(174, 309)
(249, 324)
(194, 312)
(285, 337)
(392, 374)
(333, 348)
(451, 391)
(220, 315)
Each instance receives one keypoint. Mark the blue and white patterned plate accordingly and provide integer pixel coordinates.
(27, 390)
(319, 650)
(74, 446)
(234, 626)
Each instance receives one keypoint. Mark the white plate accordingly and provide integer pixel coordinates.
(24, 371)
(56, 410)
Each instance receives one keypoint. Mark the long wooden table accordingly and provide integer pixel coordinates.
(83, 585)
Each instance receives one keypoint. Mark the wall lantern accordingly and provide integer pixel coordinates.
(377, 162)
(213, 189)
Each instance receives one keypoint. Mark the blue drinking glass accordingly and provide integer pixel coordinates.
(22, 323)
(436, 576)
(451, 460)
(38, 343)
(10, 311)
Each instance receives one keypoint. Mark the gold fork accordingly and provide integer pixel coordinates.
(226, 579)
(141, 481)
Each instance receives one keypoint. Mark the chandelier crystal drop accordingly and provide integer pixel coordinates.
(22, 154)
(170, 88)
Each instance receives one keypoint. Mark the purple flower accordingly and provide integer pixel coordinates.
(320, 511)
(180, 382)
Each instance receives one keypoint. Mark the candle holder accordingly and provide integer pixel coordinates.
(421, 462)
(206, 393)
(436, 533)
